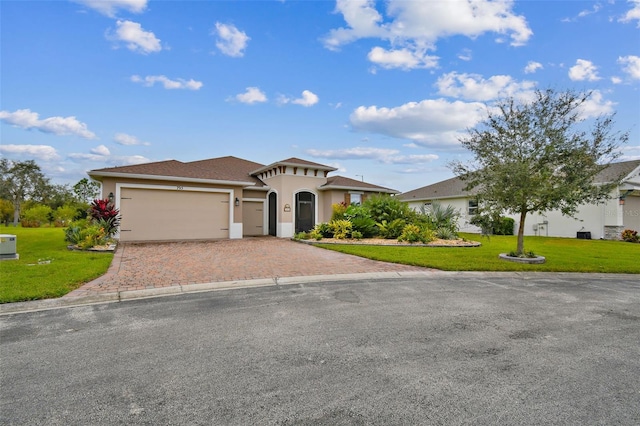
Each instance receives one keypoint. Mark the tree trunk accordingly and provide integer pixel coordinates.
(520, 249)
(16, 212)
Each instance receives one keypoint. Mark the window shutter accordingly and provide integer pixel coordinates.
(347, 198)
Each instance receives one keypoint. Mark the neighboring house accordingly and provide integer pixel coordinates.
(606, 220)
(225, 197)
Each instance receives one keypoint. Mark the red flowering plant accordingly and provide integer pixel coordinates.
(106, 215)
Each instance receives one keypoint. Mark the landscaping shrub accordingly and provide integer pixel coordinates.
(493, 224)
(503, 226)
(105, 213)
(64, 215)
(6, 211)
(97, 229)
(341, 228)
(391, 230)
(338, 211)
(442, 218)
(414, 234)
(361, 220)
(324, 229)
(387, 208)
(630, 236)
(445, 234)
(35, 216)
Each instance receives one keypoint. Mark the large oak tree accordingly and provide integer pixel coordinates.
(538, 155)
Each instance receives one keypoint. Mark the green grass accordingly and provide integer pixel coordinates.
(26, 279)
(562, 255)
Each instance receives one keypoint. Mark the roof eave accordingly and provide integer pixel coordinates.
(307, 166)
(94, 175)
(358, 188)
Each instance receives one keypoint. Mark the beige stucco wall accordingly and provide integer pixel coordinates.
(287, 186)
(109, 185)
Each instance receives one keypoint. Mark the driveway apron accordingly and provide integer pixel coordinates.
(140, 266)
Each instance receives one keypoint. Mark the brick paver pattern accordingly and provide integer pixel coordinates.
(138, 266)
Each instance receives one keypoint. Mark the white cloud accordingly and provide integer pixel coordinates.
(231, 41)
(583, 13)
(27, 119)
(308, 99)
(583, 70)
(532, 67)
(167, 83)
(40, 152)
(631, 66)
(465, 55)
(382, 155)
(101, 154)
(596, 106)
(251, 96)
(128, 140)
(474, 87)
(101, 150)
(616, 80)
(633, 13)
(412, 28)
(405, 59)
(427, 123)
(110, 7)
(135, 38)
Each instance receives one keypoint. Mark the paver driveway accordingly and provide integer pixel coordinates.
(156, 265)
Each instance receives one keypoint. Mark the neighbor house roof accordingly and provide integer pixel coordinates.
(341, 182)
(449, 188)
(454, 187)
(615, 170)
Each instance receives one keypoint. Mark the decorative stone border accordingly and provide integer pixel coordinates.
(395, 243)
(530, 260)
(101, 249)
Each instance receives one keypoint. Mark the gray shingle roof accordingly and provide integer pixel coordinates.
(454, 187)
(341, 182)
(231, 169)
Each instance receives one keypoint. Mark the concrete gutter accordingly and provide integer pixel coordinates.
(121, 296)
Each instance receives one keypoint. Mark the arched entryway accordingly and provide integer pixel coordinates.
(273, 214)
(305, 211)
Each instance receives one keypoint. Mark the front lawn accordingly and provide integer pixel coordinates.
(46, 268)
(562, 254)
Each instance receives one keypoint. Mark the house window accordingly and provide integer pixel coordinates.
(355, 199)
(473, 207)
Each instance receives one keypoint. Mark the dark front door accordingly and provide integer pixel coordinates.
(273, 214)
(305, 211)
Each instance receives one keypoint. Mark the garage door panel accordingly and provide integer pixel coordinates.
(252, 218)
(154, 214)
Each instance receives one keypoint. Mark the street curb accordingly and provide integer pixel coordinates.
(121, 296)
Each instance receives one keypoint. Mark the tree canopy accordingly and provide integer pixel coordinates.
(22, 180)
(536, 156)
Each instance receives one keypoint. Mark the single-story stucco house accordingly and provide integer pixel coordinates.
(226, 197)
(606, 221)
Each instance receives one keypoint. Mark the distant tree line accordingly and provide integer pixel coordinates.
(28, 197)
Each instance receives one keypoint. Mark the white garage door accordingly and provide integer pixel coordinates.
(156, 214)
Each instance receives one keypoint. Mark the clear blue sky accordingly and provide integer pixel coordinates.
(377, 89)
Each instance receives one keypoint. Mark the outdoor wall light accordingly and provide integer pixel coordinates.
(111, 197)
(237, 201)
(621, 201)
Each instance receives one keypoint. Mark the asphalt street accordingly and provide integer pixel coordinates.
(452, 349)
